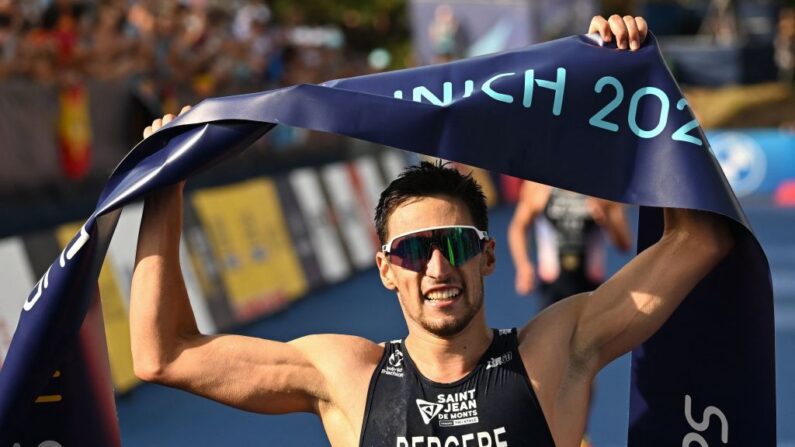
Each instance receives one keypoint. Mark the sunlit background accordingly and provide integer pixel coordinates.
(79, 80)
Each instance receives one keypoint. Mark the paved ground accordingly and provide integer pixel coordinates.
(157, 416)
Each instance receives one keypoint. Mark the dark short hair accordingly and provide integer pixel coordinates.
(431, 179)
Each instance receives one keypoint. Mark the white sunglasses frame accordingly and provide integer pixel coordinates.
(482, 235)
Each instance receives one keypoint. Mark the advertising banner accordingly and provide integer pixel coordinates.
(299, 233)
(393, 163)
(757, 162)
(320, 220)
(198, 252)
(248, 234)
(353, 220)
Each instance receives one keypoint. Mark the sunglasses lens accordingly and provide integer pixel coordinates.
(459, 245)
(412, 251)
(456, 244)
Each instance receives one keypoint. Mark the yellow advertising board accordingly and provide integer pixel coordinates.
(114, 312)
(250, 240)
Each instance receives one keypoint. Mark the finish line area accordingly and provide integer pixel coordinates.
(155, 415)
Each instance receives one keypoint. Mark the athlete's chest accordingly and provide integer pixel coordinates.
(491, 406)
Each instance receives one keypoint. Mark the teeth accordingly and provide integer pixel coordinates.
(442, 294)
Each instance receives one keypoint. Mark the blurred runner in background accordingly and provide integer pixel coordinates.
(569, 238)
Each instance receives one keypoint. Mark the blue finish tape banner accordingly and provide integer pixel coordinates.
(569, 113)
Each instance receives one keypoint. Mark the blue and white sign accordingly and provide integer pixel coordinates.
(755, 162)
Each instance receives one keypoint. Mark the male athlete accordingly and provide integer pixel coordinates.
(570, 229)
(452, 382)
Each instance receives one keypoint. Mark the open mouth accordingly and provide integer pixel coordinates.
(441, 296)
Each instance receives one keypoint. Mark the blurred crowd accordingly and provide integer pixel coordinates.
(176, 50)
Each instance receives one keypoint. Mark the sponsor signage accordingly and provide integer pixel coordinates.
(319, 219)
(450, 409)
(248, 235)
(352, 220)
(206, 270)
(756, 162)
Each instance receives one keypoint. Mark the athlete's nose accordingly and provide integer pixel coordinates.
(438, 266)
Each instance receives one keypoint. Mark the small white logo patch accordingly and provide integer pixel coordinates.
(394, 366)
(428, 410)
(396, 359)
(501, 360)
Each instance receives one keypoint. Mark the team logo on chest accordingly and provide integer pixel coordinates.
(451, 409)
(428, 410)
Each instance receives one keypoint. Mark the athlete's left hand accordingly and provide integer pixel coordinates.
(628, 31)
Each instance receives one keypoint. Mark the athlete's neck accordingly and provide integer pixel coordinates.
(447, 359)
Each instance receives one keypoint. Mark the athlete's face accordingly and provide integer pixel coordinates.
(442, 299)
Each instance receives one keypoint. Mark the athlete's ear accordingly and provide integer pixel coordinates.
(385, 271)
(488, 260)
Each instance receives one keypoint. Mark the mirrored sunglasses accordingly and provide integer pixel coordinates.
(457, 243)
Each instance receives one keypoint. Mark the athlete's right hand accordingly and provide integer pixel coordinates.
(160, 122)
(525, 279)
(629, 31)
(156, 125)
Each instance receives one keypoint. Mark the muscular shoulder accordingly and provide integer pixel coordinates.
(346, 364)
(545, 341)
(545, 345)
(329, 352)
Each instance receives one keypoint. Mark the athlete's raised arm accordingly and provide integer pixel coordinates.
(632, 305)
(248, 373)
(578, 336)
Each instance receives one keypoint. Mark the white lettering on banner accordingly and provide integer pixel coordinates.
(42, 285)
(704, 424)
(598, 120)
(558, 86)
(72, 250)
(67, 254)
(480, 439)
